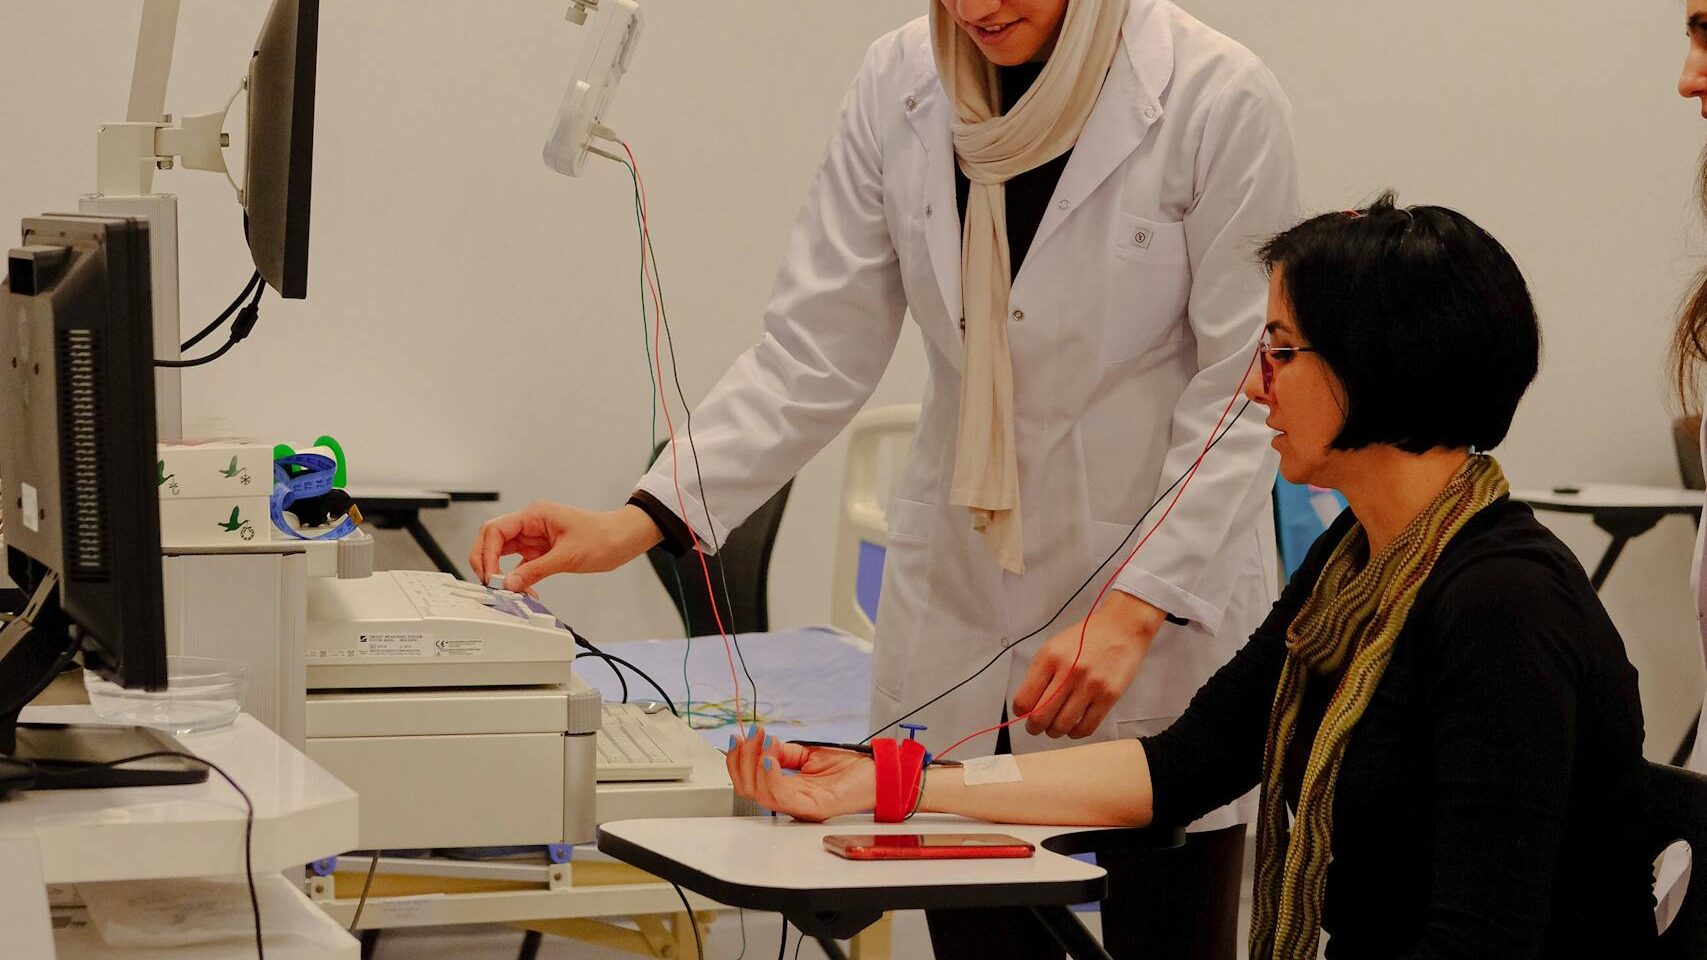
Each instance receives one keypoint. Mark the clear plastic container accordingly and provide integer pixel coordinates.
(201, 693)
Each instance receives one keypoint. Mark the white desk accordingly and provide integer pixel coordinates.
(146, 833)
(399, 508)
(776, 864)
(1623, 510)
(137, 833)
(508, 892)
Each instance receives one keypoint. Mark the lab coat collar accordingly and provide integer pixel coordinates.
(1130, 102)
(1149, 41)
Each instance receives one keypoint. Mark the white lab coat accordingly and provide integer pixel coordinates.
(1674, 869)
(1135, 316)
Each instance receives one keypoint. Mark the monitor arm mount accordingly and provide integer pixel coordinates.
(128, 152)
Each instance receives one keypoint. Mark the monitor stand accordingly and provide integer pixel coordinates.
(34, 648)
(37, 647)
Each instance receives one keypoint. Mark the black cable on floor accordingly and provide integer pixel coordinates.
(248, 824)
(699, 946)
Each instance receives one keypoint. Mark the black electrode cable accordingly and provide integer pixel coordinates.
(699, 947)
(614, 659)
(614, 669)
(1081, 588)
(681, 395)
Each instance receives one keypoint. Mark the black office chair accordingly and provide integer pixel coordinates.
(1686, 438)
(1674, 807)
(743, 563)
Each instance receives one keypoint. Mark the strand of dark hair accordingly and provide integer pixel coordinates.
(1689, 340)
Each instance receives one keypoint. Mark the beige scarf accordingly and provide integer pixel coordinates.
(992, 149)
(1348, 626)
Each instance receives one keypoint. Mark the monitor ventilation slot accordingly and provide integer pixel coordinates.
(80, 445)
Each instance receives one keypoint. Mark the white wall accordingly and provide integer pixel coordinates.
(474, 318)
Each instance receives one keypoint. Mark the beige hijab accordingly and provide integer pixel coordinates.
(992, 149)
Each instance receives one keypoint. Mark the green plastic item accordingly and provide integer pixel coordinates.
(340, 475)
(340, 479)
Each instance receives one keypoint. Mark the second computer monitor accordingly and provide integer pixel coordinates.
(280, 165)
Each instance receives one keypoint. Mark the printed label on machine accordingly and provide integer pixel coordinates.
(390, 644)
(459, 648)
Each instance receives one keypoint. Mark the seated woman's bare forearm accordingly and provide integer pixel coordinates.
(1098, 784)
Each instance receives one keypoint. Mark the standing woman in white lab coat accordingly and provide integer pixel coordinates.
(1689, 351)
(1065, 197)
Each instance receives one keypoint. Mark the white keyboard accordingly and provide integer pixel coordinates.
(635, 745)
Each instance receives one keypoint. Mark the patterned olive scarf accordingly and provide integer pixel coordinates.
(1355, 613)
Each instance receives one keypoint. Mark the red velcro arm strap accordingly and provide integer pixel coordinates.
(900, 769)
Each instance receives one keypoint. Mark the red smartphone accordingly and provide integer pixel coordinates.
(926, 846)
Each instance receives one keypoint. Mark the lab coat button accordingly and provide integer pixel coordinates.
(912, 102)
(929, 209)
(1149, 113)
(1019, 314)
(1064, 204)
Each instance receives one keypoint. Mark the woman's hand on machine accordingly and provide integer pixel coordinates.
(826, 782)
(557, 538)
(1120, 632)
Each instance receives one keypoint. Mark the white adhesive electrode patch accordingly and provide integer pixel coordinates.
(1002, 768)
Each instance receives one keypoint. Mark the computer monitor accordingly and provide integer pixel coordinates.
(280, 148)
(78, 457)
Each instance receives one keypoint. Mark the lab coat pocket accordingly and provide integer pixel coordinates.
(1153, 241)
(1149, 284)
(904, 605)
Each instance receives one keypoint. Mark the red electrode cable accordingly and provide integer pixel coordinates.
(670, 426)
(1085, 625)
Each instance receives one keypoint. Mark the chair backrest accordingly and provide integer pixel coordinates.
(876, 437)
(1686, 437)
(1674, 807)
(743, 564)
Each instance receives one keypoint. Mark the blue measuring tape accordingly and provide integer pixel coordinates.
(315, 480)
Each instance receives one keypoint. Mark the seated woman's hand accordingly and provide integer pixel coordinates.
(825, 783)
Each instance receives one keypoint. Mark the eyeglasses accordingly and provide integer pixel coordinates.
(1268, 353)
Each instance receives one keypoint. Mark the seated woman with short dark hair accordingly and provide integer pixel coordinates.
(1440, 715)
